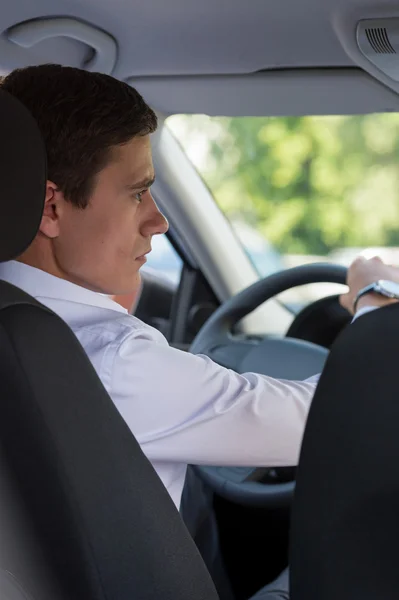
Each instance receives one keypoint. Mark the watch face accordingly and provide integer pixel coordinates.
(390, 287)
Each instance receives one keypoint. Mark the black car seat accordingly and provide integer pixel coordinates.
(345, 518)
(83, 515)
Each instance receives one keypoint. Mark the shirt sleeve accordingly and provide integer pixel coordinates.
(186, 408)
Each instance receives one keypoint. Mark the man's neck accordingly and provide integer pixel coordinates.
(50, 266)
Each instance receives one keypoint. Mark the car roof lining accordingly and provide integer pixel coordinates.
(220, 56)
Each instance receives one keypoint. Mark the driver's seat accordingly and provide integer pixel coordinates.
(83, 515)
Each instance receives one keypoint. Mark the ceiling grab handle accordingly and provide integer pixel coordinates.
(29, 33)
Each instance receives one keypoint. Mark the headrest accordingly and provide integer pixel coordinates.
(23, 174)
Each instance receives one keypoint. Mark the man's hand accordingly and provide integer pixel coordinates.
(363, 272)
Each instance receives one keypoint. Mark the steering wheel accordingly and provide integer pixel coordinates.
(280, 357)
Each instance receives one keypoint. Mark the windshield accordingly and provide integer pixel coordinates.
(301, 189)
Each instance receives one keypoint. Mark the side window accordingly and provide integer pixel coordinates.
(164, 259)
(175, 298)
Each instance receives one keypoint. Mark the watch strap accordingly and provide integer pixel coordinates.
(366, 290)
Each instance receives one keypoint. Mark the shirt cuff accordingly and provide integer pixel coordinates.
(363, 311)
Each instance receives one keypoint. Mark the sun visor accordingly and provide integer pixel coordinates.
(285, 92)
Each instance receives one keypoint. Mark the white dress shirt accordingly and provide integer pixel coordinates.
(181, 408)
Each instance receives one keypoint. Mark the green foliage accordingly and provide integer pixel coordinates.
(309, 184)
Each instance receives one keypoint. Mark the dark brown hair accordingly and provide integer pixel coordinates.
(82, 116)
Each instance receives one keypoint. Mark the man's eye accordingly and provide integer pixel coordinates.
(139, 195)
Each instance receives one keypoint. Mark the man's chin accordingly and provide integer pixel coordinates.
(127, 294)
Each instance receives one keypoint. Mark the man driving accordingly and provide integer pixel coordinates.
(98, 221)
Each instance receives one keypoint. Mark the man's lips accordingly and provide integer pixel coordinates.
(143, 256)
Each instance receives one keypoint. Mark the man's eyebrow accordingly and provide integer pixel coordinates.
(144, 183)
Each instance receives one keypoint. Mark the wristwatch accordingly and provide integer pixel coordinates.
(386, 288)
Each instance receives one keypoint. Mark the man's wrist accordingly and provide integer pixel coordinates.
(374, 300)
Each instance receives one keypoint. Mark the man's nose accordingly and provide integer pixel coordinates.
(156, 223)
(163, 223)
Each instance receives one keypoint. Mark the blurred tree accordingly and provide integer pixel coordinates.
(309, 184)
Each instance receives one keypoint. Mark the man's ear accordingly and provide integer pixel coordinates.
(50, 226)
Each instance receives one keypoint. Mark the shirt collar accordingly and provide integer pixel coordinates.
(40, 284)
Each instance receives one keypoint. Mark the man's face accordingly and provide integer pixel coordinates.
(103, 246)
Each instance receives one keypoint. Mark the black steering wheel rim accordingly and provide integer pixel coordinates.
(223, 320)
(216, 332)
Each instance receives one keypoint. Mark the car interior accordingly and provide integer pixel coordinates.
(82, 512)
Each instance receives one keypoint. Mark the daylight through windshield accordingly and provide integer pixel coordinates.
(301, 189)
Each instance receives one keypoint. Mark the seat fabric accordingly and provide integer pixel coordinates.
(92, 519)
(345, 518)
